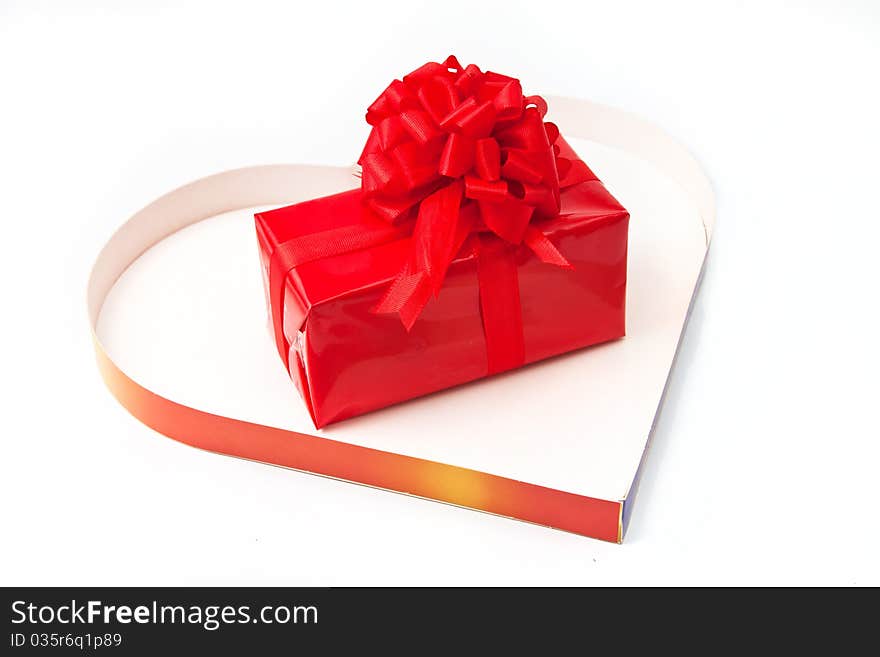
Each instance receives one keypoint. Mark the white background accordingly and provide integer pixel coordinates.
(763, 468)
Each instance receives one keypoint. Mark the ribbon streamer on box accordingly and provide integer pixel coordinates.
(457, 159)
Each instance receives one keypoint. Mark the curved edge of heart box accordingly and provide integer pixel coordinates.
(606, 519)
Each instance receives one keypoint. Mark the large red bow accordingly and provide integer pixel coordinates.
(464, 153)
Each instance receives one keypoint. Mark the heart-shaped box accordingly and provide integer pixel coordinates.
(559, 443)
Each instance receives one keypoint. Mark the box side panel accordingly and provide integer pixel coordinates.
(632, 494)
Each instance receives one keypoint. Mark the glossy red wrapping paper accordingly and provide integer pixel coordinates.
(347, 360)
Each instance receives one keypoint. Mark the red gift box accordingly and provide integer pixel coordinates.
(340, 273)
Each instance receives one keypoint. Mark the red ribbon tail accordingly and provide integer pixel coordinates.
(438, 233)
(440, 230)
(542, 247)
(406, 296)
